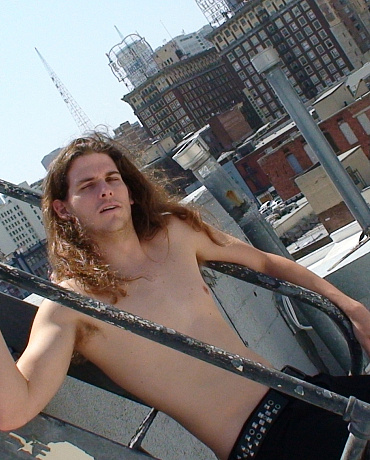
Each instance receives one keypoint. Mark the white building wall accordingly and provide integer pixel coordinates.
(20, 225)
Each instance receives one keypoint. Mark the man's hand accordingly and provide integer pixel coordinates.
(360, 318)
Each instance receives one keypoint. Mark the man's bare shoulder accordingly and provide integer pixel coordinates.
(56, 311)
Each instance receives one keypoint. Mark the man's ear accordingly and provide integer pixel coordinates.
(61, 209)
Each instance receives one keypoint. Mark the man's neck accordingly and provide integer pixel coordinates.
(123, 252)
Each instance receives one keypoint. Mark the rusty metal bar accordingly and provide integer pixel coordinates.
(303, 295)
(245, 274)
(183, 343)
(31, 197)
(351, 409)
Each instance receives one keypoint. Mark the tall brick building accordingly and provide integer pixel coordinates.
(181, 98)
(306, 36)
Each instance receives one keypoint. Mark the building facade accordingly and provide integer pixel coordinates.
(312, 55)
(20, 225)
(181, 98)
(286, 155)
(183, 46)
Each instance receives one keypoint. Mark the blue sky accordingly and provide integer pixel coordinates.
(73, 37)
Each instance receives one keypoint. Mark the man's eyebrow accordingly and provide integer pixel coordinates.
(88, 179)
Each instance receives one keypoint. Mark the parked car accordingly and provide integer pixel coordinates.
(277, 204)
(265, 207)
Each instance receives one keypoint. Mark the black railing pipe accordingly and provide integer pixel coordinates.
(31, 197)
(166, 336)
(303, 295)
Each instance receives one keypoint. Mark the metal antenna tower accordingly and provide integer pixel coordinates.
(81, 119)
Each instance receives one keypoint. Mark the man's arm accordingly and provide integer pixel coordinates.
(235, 251)
(27, 386)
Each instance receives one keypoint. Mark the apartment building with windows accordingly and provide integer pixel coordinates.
(312, 56)
(20, 225)
(182, 97)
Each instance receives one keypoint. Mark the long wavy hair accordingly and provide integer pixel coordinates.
(72, 254)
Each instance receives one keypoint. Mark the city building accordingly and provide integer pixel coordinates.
(134, 138)
(280, 156)
(183, 46)
(182, 97)
(20, 225)
(22, 239)
(314, 45)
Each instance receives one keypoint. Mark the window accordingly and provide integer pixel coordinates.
(287, 17)
(305, 6)
(309, 70)
(242, 75)
(302, 21)
(262, 35)
(300, 36)
(294, 163)
(308, 31)
(279, 23)
(238, 51)
(231, 57)
(294, 27)
(311, 15)
(315, 79)
(244, 61)
(364, 122)
(314, 40)
(347, 132)
(236, 66)
(320, 49)
(334, 53)
(316, 24)
(326, 59)
(254, 40)
(323, 34)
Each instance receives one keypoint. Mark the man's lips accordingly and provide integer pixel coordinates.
(108, 207)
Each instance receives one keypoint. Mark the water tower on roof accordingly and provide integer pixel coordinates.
(132, 61)
(218, 11)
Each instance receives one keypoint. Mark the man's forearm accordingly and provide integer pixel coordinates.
(13, 391)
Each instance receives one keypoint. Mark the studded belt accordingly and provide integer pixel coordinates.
(258, 425)
(261, 420)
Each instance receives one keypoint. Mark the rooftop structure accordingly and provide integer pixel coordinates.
(131, 61)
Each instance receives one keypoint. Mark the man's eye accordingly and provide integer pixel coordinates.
(86, 186)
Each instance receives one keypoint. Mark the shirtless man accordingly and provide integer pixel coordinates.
(102, 243)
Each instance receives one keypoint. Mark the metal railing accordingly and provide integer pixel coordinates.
(353, 410)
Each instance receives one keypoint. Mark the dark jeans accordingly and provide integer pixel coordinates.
(306, 432)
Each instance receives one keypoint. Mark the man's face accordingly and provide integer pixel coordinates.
(97, 196)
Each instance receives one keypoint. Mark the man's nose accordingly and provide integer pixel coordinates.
(105, 190)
